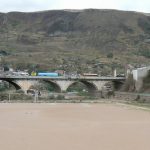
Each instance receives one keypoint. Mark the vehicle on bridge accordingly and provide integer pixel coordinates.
(90, 74)
(48, 74)
(120, 75)
(20, 73)
(33, 73)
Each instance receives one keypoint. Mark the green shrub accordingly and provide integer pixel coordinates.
(3, 96)
(145, 53)
(51, 97)
(20, 91)
(2, 88)
(110, 55)
(60, 97)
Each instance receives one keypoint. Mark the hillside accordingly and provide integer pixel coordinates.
(74, 40)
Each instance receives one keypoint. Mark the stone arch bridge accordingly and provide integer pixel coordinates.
(61, 84)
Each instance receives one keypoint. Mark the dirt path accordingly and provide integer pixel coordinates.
(73, 127)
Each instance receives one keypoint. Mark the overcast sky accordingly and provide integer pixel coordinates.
(39, 5)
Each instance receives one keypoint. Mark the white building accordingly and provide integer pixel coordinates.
(140, 73)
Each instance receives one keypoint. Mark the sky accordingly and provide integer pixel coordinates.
(40, 5)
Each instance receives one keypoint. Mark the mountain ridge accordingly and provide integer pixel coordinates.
(84, 34)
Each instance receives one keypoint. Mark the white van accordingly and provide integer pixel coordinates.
(20, 73)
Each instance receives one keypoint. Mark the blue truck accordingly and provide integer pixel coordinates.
(48, 74)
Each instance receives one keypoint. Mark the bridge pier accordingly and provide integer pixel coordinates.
(64, 85)
(26, 84)
(99, 84)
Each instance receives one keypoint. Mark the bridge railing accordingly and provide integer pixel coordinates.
(63, 77)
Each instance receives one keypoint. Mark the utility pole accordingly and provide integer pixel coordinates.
(36, 96)
(9, 97)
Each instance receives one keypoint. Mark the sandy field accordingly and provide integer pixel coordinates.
(73, 127)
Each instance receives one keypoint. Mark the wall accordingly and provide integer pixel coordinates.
(124, 96)
(138, 75)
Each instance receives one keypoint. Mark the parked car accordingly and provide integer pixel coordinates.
(120, 75)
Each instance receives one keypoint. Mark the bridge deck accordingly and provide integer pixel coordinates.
(61, 78)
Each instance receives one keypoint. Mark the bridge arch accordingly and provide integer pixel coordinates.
(117, 84)
(91, 87)
(54, 84)
(17, 86)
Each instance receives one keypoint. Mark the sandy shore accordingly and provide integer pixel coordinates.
(73, 127)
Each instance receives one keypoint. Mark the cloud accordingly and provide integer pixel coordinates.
(26, 5)
(36, 5)
(135, 5)
(90, 4)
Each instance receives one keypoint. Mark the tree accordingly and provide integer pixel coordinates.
(110, 55)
